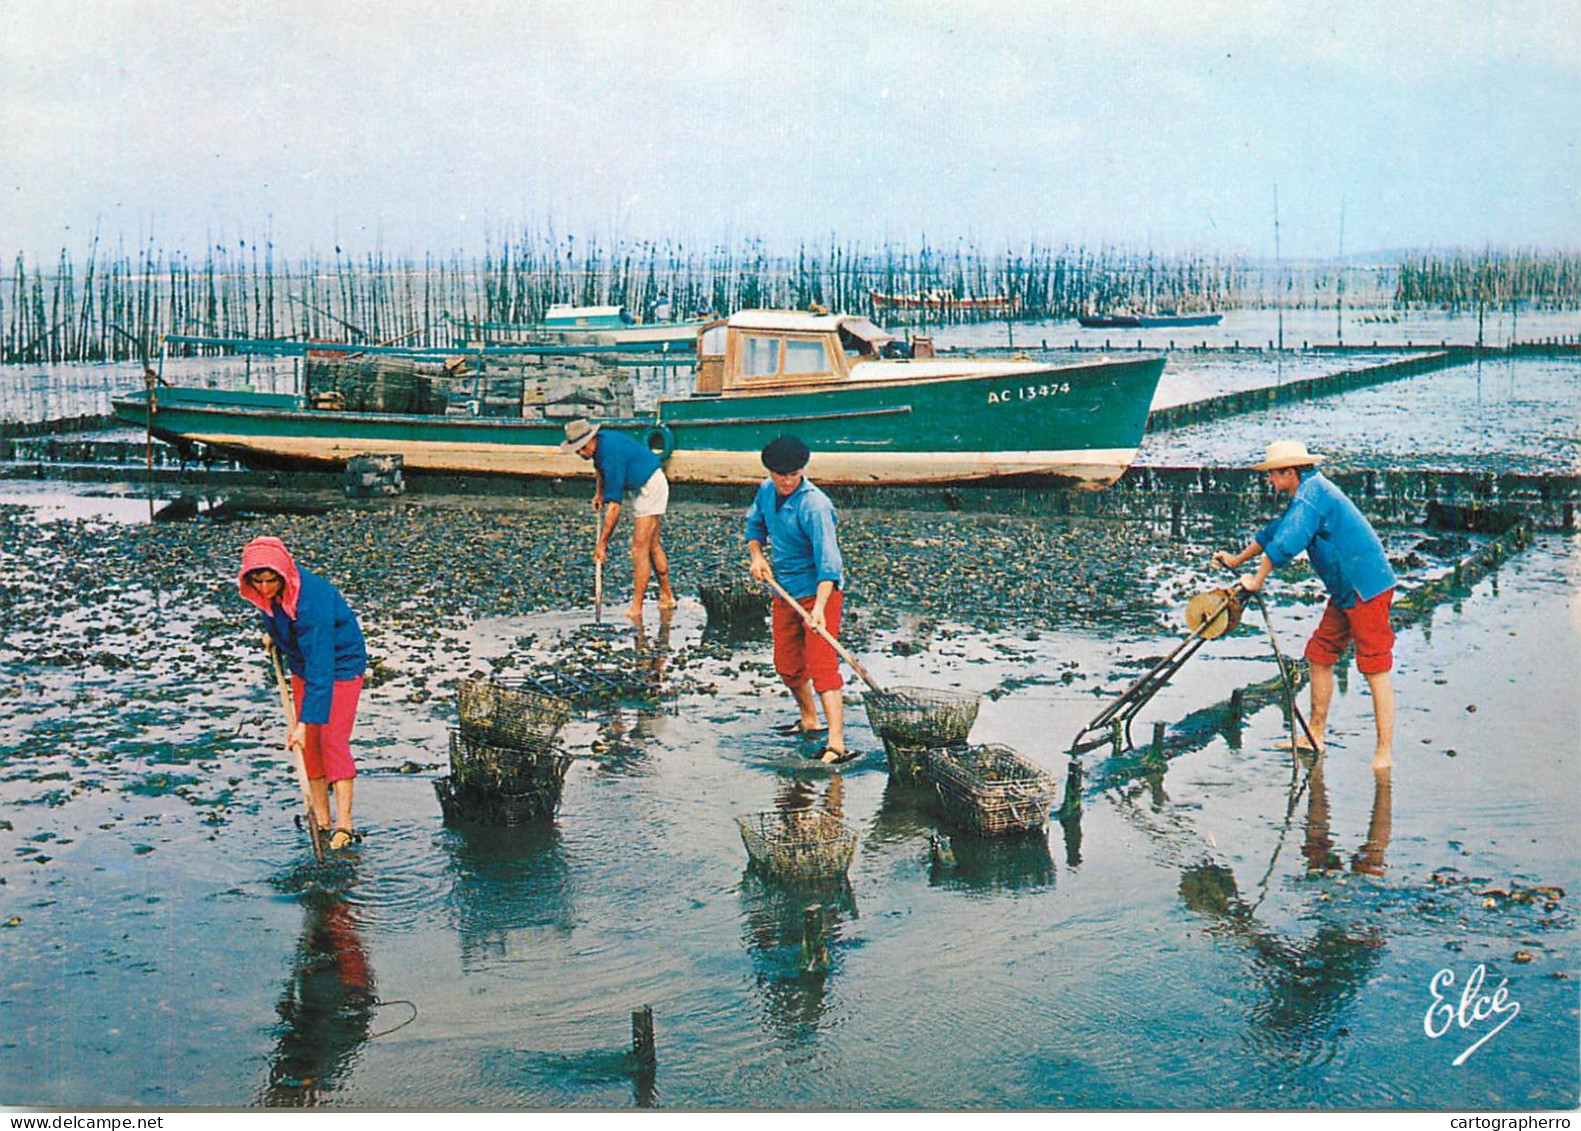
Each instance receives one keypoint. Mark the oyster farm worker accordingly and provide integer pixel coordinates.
(309, 622)
(627, 473)
(1350, 561)
(797, 521)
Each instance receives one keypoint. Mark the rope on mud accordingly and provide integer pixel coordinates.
(379, 1004)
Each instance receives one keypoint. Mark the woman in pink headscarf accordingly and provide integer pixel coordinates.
(311, 625)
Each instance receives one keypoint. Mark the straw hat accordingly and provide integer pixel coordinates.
(1287, 453)
(577, 434)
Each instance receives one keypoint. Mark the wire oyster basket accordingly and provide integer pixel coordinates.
(907, 764)
(733, 604)
(991, 790)
(798, 844)
(505, 713)
(921, 716)
(464, 804)
(509, 769)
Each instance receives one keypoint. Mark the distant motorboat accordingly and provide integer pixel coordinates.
(591, 325)
(1124, 320)
(942, 300)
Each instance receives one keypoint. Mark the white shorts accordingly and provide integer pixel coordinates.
(651, 499)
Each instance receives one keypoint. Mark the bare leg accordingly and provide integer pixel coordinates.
(1322, 697)
(834, 712)
(661, 569)
(343, 790)
(642, 535)
(319, 788)
(1383, 712)
(806, 702)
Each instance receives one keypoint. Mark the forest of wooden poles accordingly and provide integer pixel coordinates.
(115, 305)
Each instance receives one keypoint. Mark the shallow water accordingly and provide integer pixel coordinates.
(1239, 931)
(172, 947)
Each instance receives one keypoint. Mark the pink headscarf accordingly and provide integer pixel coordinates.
(270, 553)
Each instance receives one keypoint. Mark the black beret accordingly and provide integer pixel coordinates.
(785, 454)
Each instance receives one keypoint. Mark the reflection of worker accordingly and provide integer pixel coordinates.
(797, 520)
(1349, 559)
(327, 1008)
(626, 472)
(1319, 845)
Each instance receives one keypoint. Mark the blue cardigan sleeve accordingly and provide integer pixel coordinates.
(819, 524)
(757, 525)
(1293, 532)
(315, 637)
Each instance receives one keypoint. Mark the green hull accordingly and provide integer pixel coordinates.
(907, 423)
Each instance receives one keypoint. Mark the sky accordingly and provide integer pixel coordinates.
(1165, 125)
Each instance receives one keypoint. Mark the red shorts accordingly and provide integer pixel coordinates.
(327, 753)
(800, 653)
(1366, 622)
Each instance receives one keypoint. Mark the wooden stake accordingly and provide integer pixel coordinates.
(643, 1047)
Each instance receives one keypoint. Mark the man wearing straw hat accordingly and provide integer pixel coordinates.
(626, 472)
(797, 520)
(1348, 558)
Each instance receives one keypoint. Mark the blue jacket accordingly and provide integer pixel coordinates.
(323, 644)
(624, 464)
(800, 527)
(1340, 542)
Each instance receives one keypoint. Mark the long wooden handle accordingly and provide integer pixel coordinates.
(823, 632)
(289, 704)
(598, 568)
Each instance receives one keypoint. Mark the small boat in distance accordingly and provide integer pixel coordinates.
(1163, 318)
(589, 325)
(874, 409)
(943, 301)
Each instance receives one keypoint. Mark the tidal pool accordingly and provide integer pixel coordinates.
(1236, 931)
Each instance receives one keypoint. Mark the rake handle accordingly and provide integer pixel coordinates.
(823, 632)
(287, 702)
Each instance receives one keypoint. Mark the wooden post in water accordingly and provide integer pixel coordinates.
(1156, 753)
(1117, 735)
(643, 1048)
(814, 954)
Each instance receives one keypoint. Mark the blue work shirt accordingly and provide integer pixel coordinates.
(323, 644)
(624, 464)
(800, 528)
(1341, 543)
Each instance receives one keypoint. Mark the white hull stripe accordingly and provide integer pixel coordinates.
(1097, 467)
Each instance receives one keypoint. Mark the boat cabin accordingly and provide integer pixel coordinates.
(562, 316)
(771, 350)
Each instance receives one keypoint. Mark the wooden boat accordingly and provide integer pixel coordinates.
(943, 300)
(870, 413)
(1122, 320)
(612, 326)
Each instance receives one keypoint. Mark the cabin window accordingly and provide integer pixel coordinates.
(760, 357)
(805, 357)
(714, 341)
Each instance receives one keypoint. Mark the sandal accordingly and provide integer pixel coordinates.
(797, 730)
(341, 838)
(831, 756)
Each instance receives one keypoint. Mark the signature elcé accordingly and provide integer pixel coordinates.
(1474, 1008)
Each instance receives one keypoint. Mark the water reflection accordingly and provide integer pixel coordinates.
(1306, 982)
(507, 881)
(327, 1007)
(1318, 847)
(989, 864)
(625, 734)
(792, 929)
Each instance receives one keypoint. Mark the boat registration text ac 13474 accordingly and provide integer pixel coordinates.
(1028, 392)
